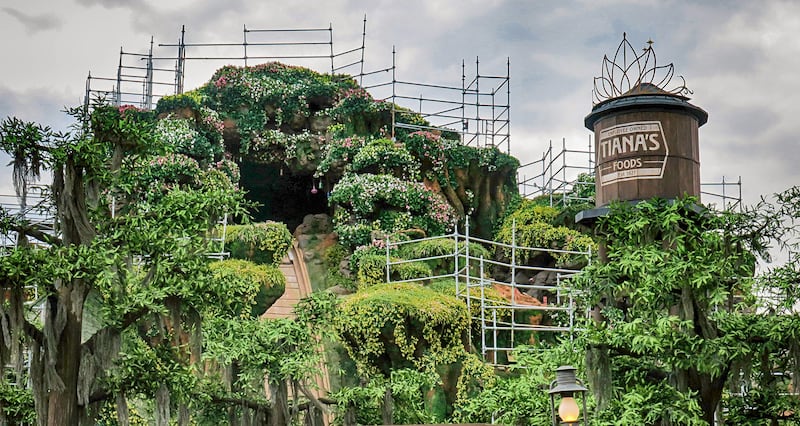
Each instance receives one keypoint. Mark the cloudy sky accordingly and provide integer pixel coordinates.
(739, 57)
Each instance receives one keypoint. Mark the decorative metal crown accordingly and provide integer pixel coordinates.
(631, 72)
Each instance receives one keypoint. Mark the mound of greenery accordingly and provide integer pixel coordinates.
(325, 126)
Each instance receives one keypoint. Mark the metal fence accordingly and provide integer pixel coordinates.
(505, 322)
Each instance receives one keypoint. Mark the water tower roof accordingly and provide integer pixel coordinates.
(644, 101)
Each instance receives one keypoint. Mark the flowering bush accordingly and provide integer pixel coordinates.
(430, 149)
(384, 156)
(357, 101)
(352, 235)
(150, 178)
(361, 114)
(125, 125)
(211, 123)
(368, 198)
(440, 156)
(339, 152)
(229, 168)
(170, 168)
(274, 146)
(184, 138)
(269, 94)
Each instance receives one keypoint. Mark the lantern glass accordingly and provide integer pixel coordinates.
(568, 410)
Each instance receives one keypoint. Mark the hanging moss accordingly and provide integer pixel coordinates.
(393, 326)
(254, 288)
(264, 242)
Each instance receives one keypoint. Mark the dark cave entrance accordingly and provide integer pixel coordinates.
(282, 196)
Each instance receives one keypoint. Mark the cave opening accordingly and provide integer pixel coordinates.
(281, 195)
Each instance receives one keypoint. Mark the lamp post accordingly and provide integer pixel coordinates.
(567, 385)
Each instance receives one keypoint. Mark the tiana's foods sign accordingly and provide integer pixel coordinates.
(631, 151)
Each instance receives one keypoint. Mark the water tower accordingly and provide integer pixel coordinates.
(645, 131)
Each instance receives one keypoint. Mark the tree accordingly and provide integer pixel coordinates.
(131, 231)
(678, 315)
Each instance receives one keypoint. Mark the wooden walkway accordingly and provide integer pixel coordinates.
(298, 286)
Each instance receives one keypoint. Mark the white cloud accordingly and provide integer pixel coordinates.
(739, 57)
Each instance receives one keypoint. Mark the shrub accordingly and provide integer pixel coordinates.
(339, 151)
(268, 94)
(382, 156)
(265, 242)
(360, 113)
(192, 100)
(252, 288)
(353, 235)
(371, 270)
(444, 247)
(534, 228)
(126, 126)
(151, 178)
(392, 326)
(366, 196)
(410, 270)
(181, 135)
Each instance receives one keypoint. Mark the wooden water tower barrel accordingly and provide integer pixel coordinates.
(646, 145)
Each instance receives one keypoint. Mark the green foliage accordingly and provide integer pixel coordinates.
(408, 389)
(152, 177)
(365, 197)
(23, 141)
(534, 228)
(441, 157)
(16, 404)
(442, 251)
(521, 398)
(375, 249)
(678, 300)
(142, 369)
(183, 136)
(339, 152)
(410, 270)
(448, 286)
(583, 189)
(371, 270)
(369, 264)
(188, 100)
(126, 126)
(230, 169)
(391, 326)
(265, 242)
(284, 349)
(352, 234)
(250, 289)
(365, 401)
(333, 258)
(269, 94)
(382, 156)
(650, 404)
(359, 112)
(275, 146)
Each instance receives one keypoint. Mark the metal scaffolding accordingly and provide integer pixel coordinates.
(504, 323)
(478, 110)
(35, 208)
(562, 174)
